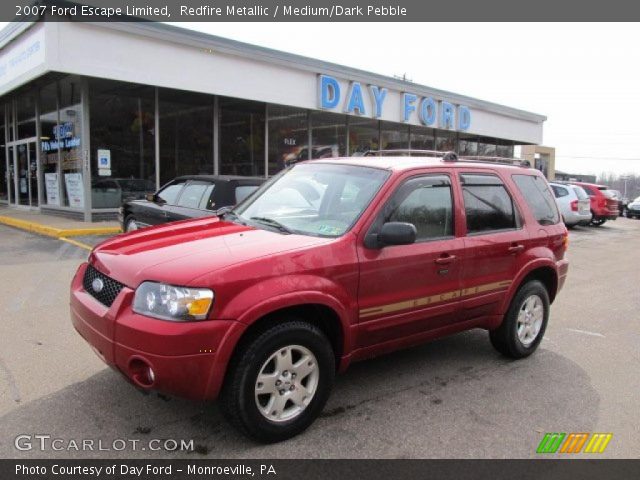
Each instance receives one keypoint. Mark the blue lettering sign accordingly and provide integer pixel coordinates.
(428, 111)
(446, 115)
(378, 94)
(408, 101)
(329, 92)
(464, 117)
(355, 104)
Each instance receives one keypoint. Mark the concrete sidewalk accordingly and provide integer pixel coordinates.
(54, 226)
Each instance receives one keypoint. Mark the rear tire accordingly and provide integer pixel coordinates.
(596, 222)
(524, 323)
(292, 396)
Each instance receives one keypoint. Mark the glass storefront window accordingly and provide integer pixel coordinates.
(122, 142)
(422, 138)
(242, 126)
(68, 134)
(364, 135)
(288, 136)
(446, 141)
(186, 134)
(467, 145)
(486, 147)
(504, 148)
(394, 136)
(50, 145)
(328, 135)
(4, 171)
(26, 115)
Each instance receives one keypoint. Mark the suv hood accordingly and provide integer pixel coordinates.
(179, 252)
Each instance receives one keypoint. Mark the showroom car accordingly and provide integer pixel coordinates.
(190, 196)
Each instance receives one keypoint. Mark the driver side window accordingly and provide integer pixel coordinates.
(426, 202)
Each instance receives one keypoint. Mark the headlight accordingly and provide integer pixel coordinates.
(168, 302)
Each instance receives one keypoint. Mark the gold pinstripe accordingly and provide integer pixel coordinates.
(432, 299)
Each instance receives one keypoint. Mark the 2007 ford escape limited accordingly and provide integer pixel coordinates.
(329, 262)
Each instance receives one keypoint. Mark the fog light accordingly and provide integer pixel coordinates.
(141, 372)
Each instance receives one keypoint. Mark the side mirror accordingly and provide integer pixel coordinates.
(396, 233)
(151, 197)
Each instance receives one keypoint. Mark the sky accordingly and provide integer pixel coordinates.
(585, 78)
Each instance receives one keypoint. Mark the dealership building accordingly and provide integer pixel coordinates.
(91, 113)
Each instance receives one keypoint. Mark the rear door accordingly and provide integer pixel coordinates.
(495, 239)
(409, 289)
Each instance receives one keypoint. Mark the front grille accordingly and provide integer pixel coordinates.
(110, 288)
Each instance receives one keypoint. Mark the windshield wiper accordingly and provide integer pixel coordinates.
(273, 223)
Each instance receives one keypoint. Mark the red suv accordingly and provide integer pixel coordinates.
(604, 205)
(329, 262)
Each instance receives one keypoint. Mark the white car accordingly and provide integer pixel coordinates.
(633, 209)
(573, 203)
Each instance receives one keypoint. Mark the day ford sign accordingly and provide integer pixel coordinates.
(370, 100)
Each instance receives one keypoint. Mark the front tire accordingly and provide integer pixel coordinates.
(524, 323)
(279, 382)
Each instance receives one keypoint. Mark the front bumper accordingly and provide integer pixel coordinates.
(187, 359)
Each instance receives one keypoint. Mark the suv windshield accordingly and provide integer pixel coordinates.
(318, 199)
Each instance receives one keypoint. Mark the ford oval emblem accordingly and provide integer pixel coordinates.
(97, 285)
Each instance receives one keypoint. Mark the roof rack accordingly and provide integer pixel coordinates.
(409, 152)
(448, 156)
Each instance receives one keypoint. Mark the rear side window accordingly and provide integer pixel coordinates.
(170, 193)
(426, 203)
(580, 193)
(192, 194)
(487, 204)
(559, 192)
(538, 197)
(206, 202)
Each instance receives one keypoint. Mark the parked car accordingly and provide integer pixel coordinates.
(111, 192)
(622, 202)
(190, 196)
(633, 209)
(573, 203)
(263, 304)
(603, 205)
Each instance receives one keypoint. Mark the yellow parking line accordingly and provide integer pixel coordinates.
(76, 243)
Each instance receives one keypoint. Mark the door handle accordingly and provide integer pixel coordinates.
(516, 248)
(445, 259)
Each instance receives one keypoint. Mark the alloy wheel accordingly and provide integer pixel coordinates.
(530, 318)
(286, 383)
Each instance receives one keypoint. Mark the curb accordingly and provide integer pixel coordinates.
(57, 232)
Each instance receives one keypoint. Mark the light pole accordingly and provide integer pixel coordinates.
(625, 178)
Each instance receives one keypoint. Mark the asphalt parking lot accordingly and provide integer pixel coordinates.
(453, 398)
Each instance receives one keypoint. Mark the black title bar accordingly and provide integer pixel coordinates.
(319, 10)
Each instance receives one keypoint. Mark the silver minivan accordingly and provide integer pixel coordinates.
(573, 203)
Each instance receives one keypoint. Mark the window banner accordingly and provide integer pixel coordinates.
(52, 188)
(75, 189)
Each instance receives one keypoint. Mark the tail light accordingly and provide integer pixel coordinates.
(574, 205)
(565, 241)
